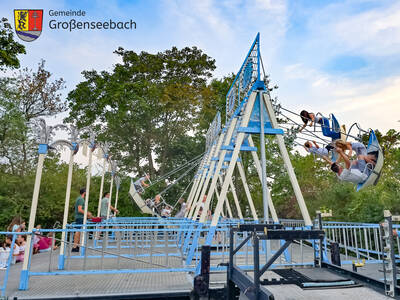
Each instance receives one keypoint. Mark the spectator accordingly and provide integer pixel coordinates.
(16, 225)
(4, 254)
(15, 251)
(182, 211)
(46, 242)
(104, 205)
(79, 214)
(21, 241)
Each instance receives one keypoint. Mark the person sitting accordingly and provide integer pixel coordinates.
(327, 131)
(149, 202)
(140, 184)
(166, 211)
(15, 251)
(307, 117)
(156, 204)
(4, 254)
(355, 171)
(358, 148)
(36, 239)
(21, 241)
(317, 149)
(46, 242)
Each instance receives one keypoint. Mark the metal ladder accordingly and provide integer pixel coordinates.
(388, 257)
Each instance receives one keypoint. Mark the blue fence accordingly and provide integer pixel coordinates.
(140, 245)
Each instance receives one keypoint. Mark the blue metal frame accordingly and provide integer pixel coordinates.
(9, 261)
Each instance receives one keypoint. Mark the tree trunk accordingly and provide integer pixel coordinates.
(24, 160)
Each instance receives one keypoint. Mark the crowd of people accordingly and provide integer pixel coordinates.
(41, 243)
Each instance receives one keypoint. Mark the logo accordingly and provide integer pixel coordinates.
(28, 23)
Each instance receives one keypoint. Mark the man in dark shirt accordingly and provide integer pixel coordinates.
(79, 214)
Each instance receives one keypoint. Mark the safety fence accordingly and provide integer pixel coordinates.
(142, 245)
(358, 241)
(7, 256)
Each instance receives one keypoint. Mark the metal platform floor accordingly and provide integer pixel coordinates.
(154, 285)
(136, 285)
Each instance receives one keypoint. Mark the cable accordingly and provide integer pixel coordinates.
(176, 169)
(179, 178)
(162, 178)
(173, 183)
(312, 133)
(306, 134)
(346, 134)
(183, 192)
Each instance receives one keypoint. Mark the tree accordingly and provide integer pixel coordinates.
(24, 97)
(9, 49)
(147, 104)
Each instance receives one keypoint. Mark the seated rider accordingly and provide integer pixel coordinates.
(356, 171)
(327, 131)
(317, 149)
(140, 184)
(358, 148)
(155, 203)
(166, 211)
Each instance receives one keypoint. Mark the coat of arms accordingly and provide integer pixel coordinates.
(28, 23)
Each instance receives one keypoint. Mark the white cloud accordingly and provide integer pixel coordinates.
(374, 105)
(225, 29)
(337, 28)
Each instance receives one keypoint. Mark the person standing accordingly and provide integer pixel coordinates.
(104, 205)
(79, 214)
(182, 211)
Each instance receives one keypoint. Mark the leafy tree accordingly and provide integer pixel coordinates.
(24, 97)
(9, 49)
(147, 106)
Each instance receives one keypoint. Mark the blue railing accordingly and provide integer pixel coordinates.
(9, 258)
(160, 245)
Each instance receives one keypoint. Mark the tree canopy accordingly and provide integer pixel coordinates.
(9, 48)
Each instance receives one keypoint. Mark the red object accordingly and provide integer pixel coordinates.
(44, 243)
(96, 219)
(35, 20)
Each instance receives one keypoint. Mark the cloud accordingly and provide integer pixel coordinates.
(298, 42)
(225, 29)
(374, 105)
(375, 32)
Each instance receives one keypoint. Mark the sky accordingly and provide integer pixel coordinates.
(336, 57)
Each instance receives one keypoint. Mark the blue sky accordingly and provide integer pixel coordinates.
(337, 57)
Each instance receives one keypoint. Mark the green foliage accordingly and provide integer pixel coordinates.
(24, 97)
(159, 98)
(9, 48)
(16, 194)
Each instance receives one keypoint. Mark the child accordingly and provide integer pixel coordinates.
(327, 131)
(46, 242)
(21, 244)
(4, 254)
(15, 252)
(317, 149)
(36, 239)
(358, 148)
(166, 212)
